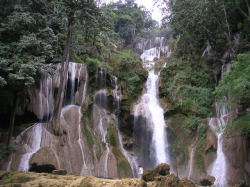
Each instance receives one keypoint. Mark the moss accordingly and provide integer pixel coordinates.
(199, 154)
(5, 152)
(88, 136)
(14, 177)
(180, 138)
(123, 167)
(111, 137)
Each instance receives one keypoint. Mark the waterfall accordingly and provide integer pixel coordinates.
(72, 71)
(223, 116)
(39, 136)
(117, 94)
(191, 160)
(149, 123)
(80, 140)
(32, 145)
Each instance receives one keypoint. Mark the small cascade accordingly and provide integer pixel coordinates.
(131, 159)
(191, 159)
(72, 71)
(149, 122)
(218, 169)
(219, 166)
(80, 141)
(116, 93)
(42, 100)
(39, 137)
(104, 133)
(32, 144)
(101, 101)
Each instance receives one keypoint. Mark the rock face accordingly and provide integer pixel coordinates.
(210, 148)
(89, 145)
(235, 149)
(44, 156)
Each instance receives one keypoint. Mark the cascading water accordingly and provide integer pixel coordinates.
(191, 160)
(219, 166)
(39, 136)
(149, 124)
(72, 67)
(32, 145)
(117, 94)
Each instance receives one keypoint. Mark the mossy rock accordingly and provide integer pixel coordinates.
(162, 169)
(59, 172)
(16, 177)
(149, 175)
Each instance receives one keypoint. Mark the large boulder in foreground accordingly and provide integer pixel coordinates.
(160, 170)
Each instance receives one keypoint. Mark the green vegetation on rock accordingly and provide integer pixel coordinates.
(88, 136)
(188, 87)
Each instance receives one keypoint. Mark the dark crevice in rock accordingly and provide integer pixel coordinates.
(42, 169)
(206, 182)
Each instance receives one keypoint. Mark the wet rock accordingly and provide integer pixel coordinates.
(235, 150)
(210, 148)
(163, 169)
(44, 160)
(59, 172)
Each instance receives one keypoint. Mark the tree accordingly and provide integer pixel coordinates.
(79, 13)
(212, 21)
(129, 19)
(27, 43)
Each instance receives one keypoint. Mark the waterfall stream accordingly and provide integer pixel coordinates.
(149, 123)
(191, 160)
(219, 166)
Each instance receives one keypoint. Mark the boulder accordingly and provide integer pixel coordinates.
(59, 172)
(149, 175)
(162, 169)
(156, 173)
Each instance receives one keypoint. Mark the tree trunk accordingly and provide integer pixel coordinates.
(12, 120)
(63, 77)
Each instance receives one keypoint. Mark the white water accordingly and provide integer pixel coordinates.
(72, 68)
(80, 141)
(219, 169)
(150, 108)
(32, 144)
(45, 100)
(191, 160)
(219, 166)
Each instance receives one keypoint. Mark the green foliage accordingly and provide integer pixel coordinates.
(215, 21)
(127, 66)
(188, 87)
(5, 152)
(192, 122)
(235, 83)
(241, 125)
(128, 20)
(202, 130)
